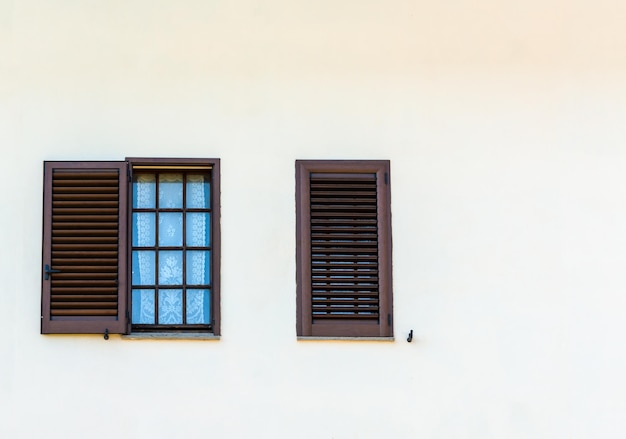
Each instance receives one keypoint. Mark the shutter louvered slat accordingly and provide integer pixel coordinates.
(64, 246)
(343, 279)
(78, 264)
(81, 310)
(337, 226)
(335, 261)
(73, 242)
(83, 225)
(76, 180)
(66, 270)
(78, 198)
(61, 290)
(86, 234)
(95, 254)
(343, 234)
(86, 298)
(344, 243)
(73, 204)
(349, 216)
(86, 313)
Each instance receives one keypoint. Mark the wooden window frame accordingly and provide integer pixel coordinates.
(306, 325)
(115, 320)
(175, 165)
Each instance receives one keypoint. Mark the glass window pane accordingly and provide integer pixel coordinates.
(170, 268)
(143, 268)
(143, 229)
(198, 191)
(170, 307)
(170, 229)
(170, 191)
(143, 307)
(198, 267)
(198, 307)
(144, 191)
(198, 229)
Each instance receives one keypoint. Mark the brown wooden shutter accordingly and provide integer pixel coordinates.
(84, 247)
(344, 279)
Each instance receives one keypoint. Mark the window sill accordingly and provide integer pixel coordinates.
(310, 338)
(201, 336)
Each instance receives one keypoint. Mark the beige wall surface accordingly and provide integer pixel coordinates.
(505, 125)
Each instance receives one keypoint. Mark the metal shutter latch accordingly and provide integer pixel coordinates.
(47, 270)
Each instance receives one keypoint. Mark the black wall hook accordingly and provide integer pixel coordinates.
(410, 337)
(106, 334)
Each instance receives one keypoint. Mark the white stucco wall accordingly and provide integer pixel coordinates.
(505, 124)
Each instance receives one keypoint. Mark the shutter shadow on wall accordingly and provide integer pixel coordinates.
(344, 248)
(84, 247)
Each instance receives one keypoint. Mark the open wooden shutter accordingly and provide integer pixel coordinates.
(344, 280)
(84, 247)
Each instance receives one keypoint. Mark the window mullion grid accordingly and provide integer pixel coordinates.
(158, 210)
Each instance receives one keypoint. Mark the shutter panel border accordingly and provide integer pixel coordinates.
(116, 323)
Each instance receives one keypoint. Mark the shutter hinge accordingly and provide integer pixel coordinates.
(389, 319)
(386, 178)
(128, 173)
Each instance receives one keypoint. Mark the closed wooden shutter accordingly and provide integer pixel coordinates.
(84, 247)
(344, 284)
